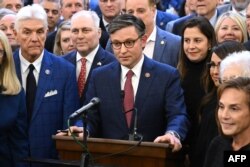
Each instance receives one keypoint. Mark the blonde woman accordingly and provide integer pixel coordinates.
(63, 41)
(13, 120)
(231, 26)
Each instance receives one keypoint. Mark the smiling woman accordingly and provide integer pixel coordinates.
(198, 38)
(231, 26)
(233, 117)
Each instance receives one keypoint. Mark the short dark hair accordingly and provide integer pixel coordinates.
(127, 20)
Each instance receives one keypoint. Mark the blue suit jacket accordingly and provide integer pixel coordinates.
(56, 98)
(162, 18)
(102, 57)
(167, 47)
(13, 129)
(175, 26)
(159, 101)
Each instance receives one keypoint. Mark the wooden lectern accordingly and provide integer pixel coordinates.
(147, 154)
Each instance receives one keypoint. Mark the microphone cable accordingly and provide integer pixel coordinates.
(120, 152)
(85, 148)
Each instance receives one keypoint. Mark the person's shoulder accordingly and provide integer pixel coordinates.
(70, 55)
(168, 35)
(159, 66)
(220, 142)
(58, 61)
(106, 69)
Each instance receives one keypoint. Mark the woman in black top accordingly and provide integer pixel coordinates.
(233, 117)
(207, 128)
(198, 38)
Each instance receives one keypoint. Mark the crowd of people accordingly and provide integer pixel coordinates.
(181, 68)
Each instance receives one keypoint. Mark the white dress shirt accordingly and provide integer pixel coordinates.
(25, 68)
(136, 77)
(90, 58)
(150, 44)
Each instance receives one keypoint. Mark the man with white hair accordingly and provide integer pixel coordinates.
(89, 54)
(49, 82)
(235, 65)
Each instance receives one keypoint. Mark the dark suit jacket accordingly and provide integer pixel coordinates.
(102, 57)
(159, 101)
(105, 35)
(50, 41)
(56, 98)
(167, 47)
(13, 129)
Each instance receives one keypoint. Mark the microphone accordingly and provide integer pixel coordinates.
(93, 102)
(135, 136)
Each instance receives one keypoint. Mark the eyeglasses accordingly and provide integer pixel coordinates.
(212, 65)
(2, 53)
(128, 44)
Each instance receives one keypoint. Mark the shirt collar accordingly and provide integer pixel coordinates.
(90, 57)
(25, 64)
(242, 12)
(152, 36)
(104, 22)
(136, 69)
(213, 19)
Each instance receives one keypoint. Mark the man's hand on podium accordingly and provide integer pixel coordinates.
(172, 140)
(77, 131)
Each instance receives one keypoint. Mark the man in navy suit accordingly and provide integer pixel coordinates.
(156, 95)
(54, 82)
(161, 45)
(85, 35)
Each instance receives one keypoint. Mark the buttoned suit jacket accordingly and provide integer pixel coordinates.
(159, 102)
(102, 57)
(166, 50)
(56, 98)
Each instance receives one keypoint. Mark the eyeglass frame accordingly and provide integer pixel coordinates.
(124, 43)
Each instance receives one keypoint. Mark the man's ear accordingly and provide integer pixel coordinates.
(144, 40)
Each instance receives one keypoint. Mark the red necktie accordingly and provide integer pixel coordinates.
(82, 76)
(128, 97)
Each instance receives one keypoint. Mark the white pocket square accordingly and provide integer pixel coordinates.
(51, 93)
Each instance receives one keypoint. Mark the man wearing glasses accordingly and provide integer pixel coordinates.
(136, 85)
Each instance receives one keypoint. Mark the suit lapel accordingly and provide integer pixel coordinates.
(116, 90)
(146, 79)
(45, 76)
(97, 62)
(160, 44)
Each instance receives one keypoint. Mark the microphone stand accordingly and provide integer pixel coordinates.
(85, 154)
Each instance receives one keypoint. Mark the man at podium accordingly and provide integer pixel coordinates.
(137, 94)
